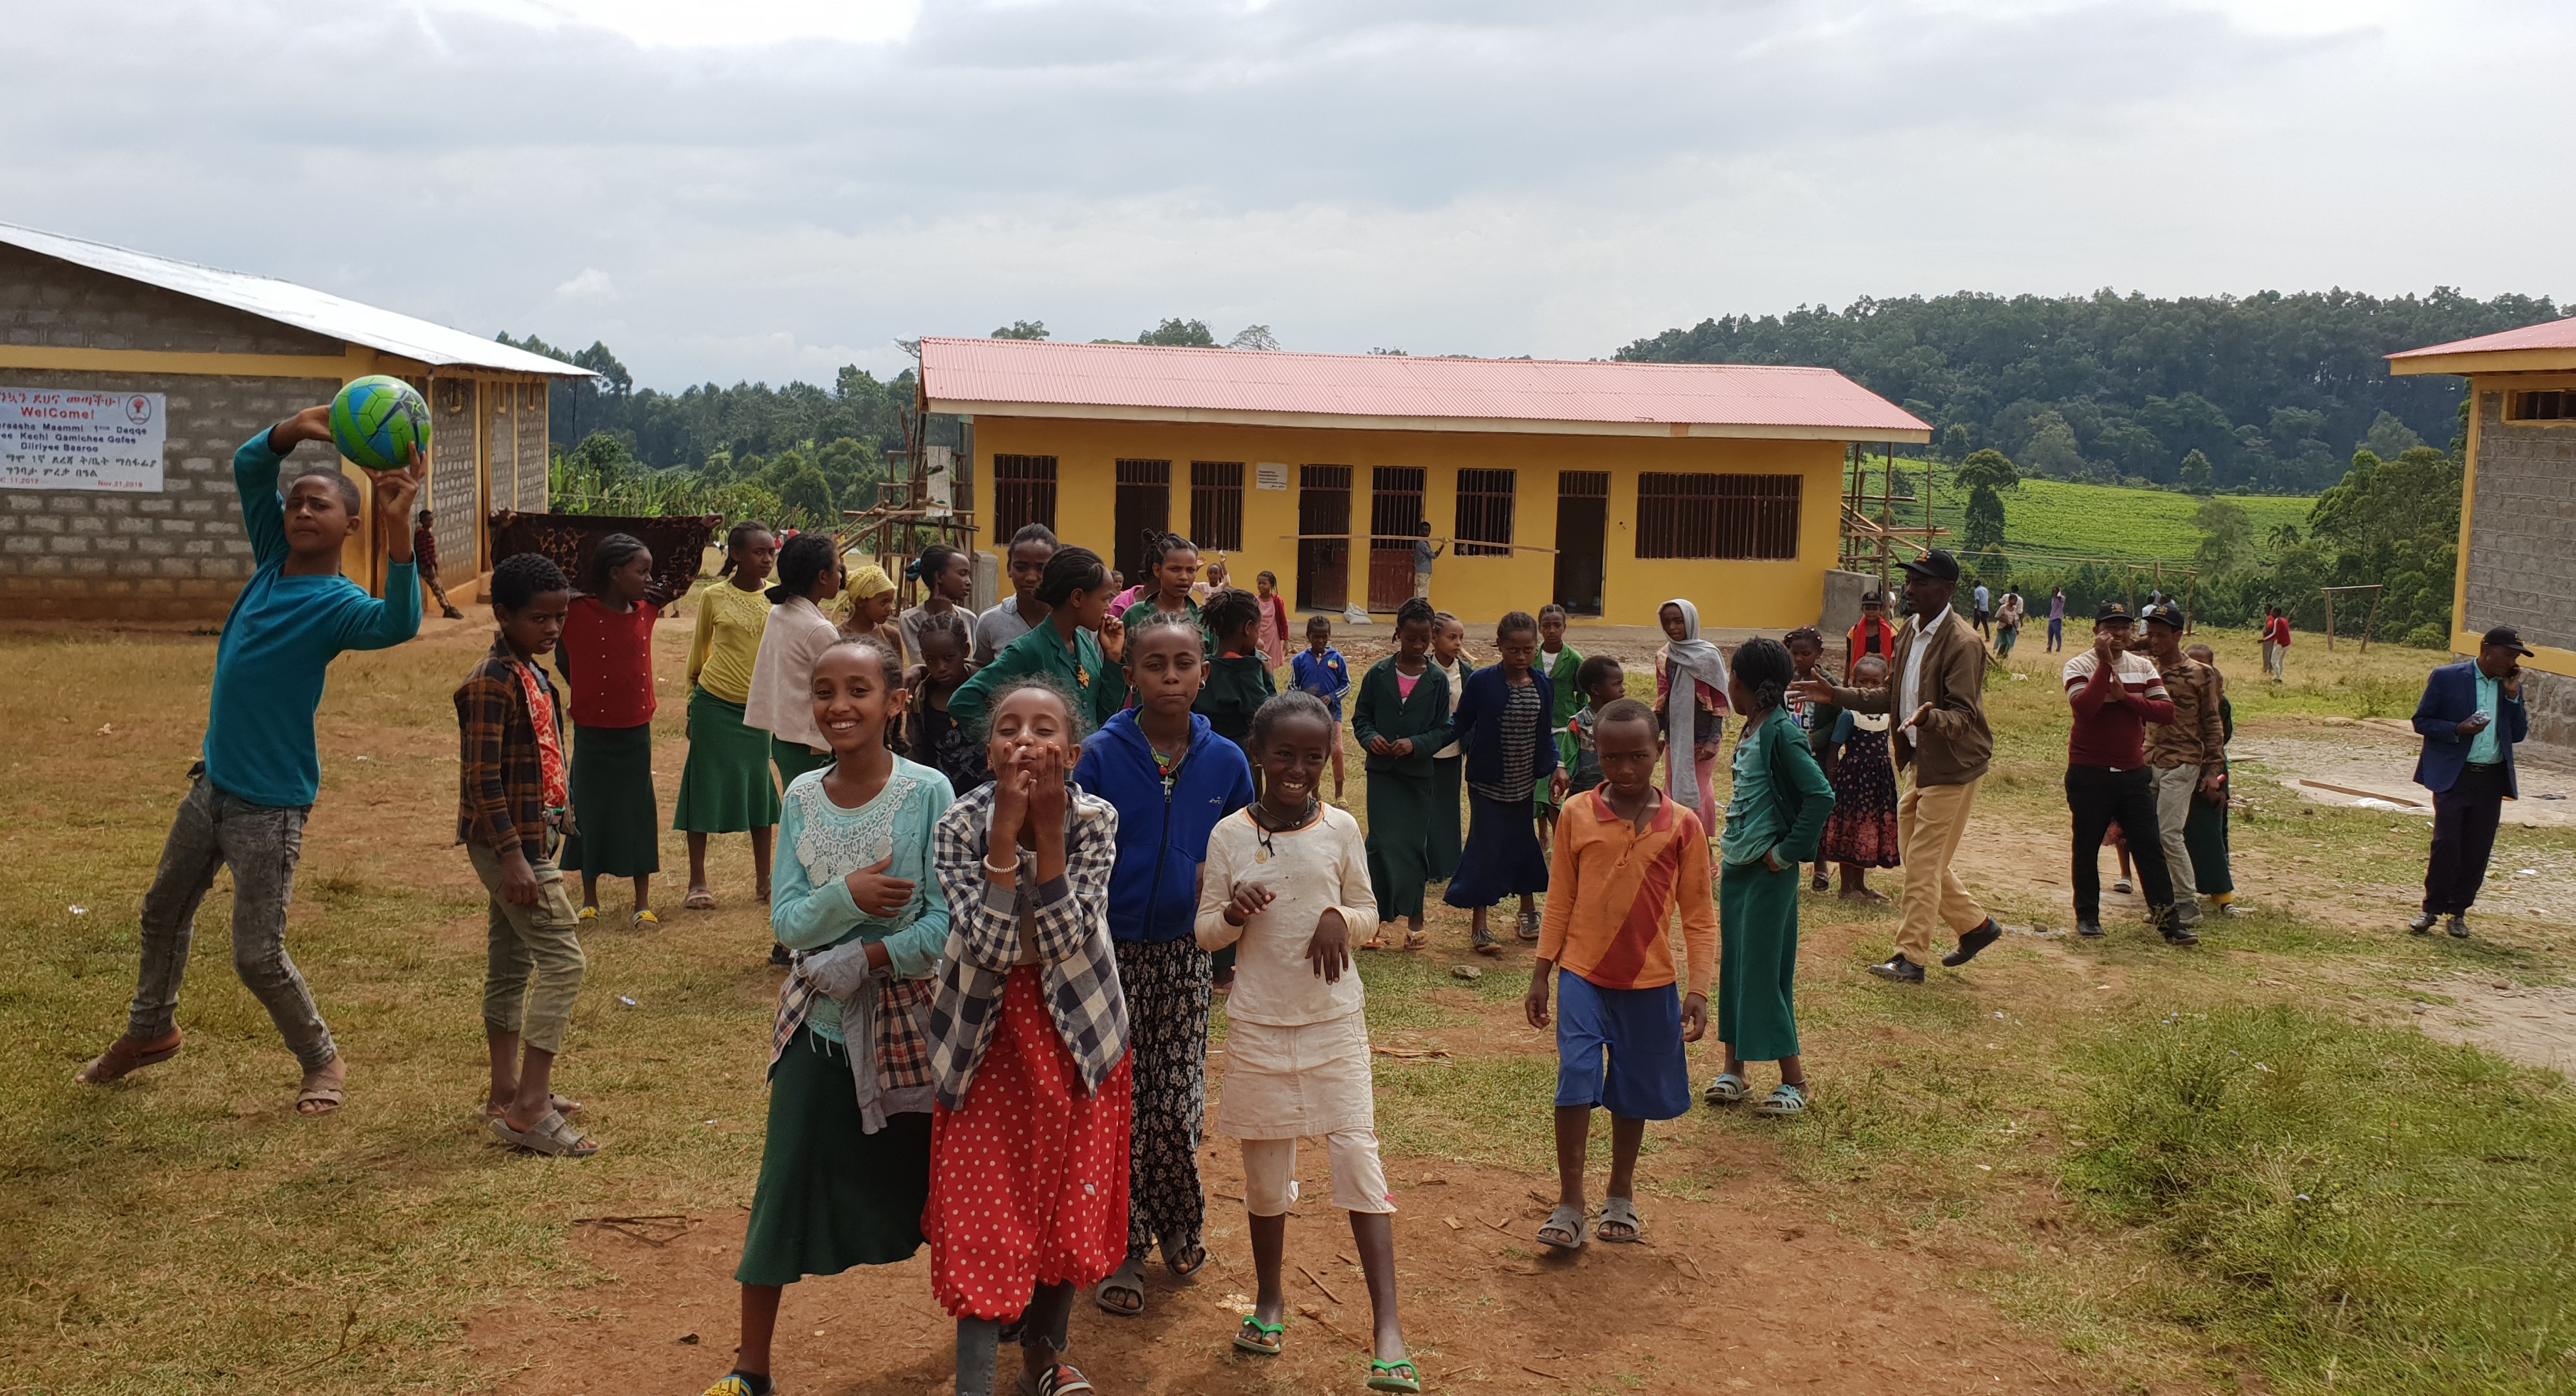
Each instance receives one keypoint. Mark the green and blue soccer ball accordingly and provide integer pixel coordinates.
(380, 422)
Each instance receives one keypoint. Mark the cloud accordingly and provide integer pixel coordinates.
(745, 191)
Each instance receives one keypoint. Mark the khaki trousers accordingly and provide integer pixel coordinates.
(533, 961)
(1929, 821)
(2175, 786)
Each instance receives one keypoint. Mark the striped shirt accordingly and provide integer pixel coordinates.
(2109, 735)
(1614, 890)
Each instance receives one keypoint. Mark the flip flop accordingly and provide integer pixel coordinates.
(646, 918)
(120, 1060)
(1399, 1375)
(325, 1100)
(1619, 1211)
(699, 899)
(1258, 1338)
(588, 913)
(1568, 1220)
(1417, 940)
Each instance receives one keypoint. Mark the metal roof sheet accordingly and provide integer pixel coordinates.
(289, 304)
(2553, 334)
(991, 375)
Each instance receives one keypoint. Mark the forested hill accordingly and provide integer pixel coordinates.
(2276, 390)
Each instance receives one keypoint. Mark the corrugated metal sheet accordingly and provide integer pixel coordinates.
(2556, 334)
(1153, 378)
(290, 304)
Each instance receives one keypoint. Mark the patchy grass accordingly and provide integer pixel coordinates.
(2116, 523)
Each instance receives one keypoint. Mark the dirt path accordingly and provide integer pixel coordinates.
(1750, 1293)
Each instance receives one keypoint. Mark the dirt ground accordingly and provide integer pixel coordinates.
(1744, 1294)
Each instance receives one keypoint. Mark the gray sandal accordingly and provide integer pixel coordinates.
(1128, 1278)
(1785, 1100)
(1728, 1089)
(1567, 1222)
(551, 1136)
(1619, 1211)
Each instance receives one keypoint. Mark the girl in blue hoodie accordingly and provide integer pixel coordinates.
(1171, 778)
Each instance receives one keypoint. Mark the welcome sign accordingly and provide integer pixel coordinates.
(69, 439)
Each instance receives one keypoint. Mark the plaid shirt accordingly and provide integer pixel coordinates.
(501, 783)
(1078, 972)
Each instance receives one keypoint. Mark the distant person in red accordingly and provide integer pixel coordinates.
(2276, 642)
(1872, 636)
(424, 550)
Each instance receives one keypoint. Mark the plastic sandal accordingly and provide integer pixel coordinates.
(1727, 1089)
(551, 1136)
(1399, 1375)
(1062, 1379)
(699, 899)
(1258, 1338)
(1619, 1211)
(120, 1060)
(1128, 1278)
(1192, 1259)
(1568, 1220)
(1785, 1100)
(647, 918)
(559, 1104)
(588, 913)
(1417, 940)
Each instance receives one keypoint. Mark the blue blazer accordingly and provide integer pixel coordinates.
(2450, 696)
(1479, 720)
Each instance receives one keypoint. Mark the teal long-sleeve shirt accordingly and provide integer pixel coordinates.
(1081, 671)
(278, 646)
(807, 915)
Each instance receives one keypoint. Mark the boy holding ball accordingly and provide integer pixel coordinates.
(259, 770)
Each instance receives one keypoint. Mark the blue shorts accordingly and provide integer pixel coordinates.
(1647, 1076)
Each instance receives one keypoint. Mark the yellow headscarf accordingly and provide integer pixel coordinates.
(866, 578)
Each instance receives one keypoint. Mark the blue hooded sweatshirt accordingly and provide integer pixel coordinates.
(1162, 835)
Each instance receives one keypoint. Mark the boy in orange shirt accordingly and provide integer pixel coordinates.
(1626, 859)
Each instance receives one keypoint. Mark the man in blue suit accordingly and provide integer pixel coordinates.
(2470, 718)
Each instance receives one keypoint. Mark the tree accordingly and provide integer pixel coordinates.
(1955, 443)
(1256, 339)
(2052, 450)
(2196, 474)
(1983, 473)
(805, 492)
(1188, 334)
(2227, 537)
(2390, 438)
(1022, 329)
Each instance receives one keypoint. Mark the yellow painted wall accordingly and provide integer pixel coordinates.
(1763, 595)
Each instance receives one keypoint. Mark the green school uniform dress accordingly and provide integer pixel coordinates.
(1780, 805)
(1569, 701)
(1448, 783)
(1081, 671)
(1400, 798)
(1146, 607)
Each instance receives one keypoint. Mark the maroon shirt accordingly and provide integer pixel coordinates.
(2109, 735)
(607, 657)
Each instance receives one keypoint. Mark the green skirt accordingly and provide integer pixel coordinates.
(2204, 832)
(617, 829)
(726, 787)
(794, 759)
(1448, 838)
(831, 1195)
(1757, 961)
(1400, 817)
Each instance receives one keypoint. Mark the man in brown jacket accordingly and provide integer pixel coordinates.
(2189, 755)
(1936, 691)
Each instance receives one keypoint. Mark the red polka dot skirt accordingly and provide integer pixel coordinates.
(1028, 1183)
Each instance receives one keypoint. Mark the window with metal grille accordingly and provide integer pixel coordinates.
(1216, 505)
(1751, 517)
(1485, 512)
(1023, 494)
(2540, 407)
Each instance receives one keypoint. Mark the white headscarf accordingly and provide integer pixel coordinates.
(1687, 661)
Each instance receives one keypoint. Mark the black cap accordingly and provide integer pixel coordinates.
(2110, 611)
(2508, 637)
(1935, 565)
(2163, 613)
(1871, 598)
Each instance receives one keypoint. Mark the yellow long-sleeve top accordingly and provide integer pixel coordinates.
(1613, 892)
(725, 648)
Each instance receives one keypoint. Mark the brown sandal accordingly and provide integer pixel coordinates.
(124, 1057)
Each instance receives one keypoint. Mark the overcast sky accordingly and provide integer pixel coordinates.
(773, 188)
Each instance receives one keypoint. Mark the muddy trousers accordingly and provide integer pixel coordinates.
(2464, 832)
(2100, 797)
(261, 844)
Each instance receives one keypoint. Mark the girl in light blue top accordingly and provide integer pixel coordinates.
(846, 1170)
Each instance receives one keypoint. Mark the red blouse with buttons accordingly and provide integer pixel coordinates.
(607, 657)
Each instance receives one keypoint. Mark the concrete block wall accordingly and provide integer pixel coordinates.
(177, 555)
(56, 304)
(2521, 571)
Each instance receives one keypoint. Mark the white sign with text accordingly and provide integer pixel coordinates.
(68, 439)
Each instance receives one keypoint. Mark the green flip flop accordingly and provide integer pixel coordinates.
(1258, 1338)
(1399, 1375)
